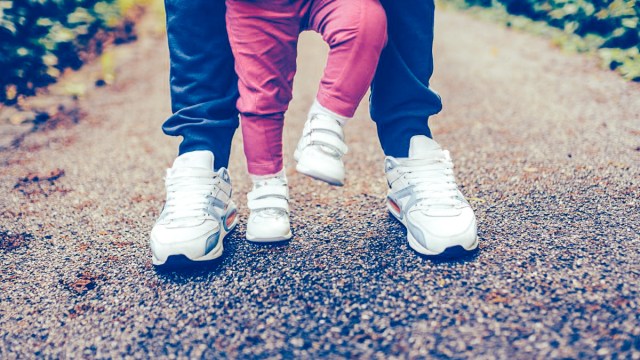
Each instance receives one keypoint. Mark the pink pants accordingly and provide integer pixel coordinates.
(264, 36)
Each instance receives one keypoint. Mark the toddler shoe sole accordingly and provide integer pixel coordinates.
(264, 240)
(316, 174)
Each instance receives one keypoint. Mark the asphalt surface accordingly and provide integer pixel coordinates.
(546, 147)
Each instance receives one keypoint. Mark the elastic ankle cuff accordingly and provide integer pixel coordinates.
(395, 137)
(216, 140)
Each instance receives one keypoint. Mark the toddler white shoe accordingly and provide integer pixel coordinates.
(320, 150)
(269, 205)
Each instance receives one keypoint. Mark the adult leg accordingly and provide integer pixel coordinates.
(423, 193)
(401, 100)
(203, 82)
(198, 213)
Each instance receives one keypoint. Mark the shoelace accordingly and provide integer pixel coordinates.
(433, 180)
(187, 193)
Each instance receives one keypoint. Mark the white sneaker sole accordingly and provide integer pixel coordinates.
(182, 260)
(449, 252)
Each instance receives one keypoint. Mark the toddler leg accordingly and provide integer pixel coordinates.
(356, 31)
(263, 37)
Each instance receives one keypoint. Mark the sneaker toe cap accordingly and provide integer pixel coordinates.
(191, 241)
(437, 233)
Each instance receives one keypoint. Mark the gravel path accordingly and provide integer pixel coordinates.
(547, 148)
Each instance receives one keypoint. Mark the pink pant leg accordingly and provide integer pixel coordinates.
(356, 31)
(264, 37)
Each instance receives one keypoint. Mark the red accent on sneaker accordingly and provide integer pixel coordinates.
(395, 206)
(230, 218)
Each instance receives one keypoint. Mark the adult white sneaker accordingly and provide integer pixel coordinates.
(269, 205)
(320, 150)
(424, 197)
(198, 212)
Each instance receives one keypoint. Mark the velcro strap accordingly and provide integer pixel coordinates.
(332, 141)
(326, 124)
(268, 191)
(269, 203)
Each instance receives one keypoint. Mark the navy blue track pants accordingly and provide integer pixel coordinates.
(204, 85)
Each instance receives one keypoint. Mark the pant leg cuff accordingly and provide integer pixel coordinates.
(338, 106)
(216, 139)
(395, 137)
(265, 169)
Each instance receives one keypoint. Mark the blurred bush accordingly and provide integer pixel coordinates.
(610, 26)
(41, 38)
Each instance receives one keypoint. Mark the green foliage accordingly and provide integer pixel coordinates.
(41, 38)
(610, 26)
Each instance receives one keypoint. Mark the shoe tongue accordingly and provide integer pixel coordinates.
(420, 146)
(276, 181)
(195, 159)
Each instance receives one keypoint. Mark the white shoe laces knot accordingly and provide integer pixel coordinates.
(188, 193)
(433, 180)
